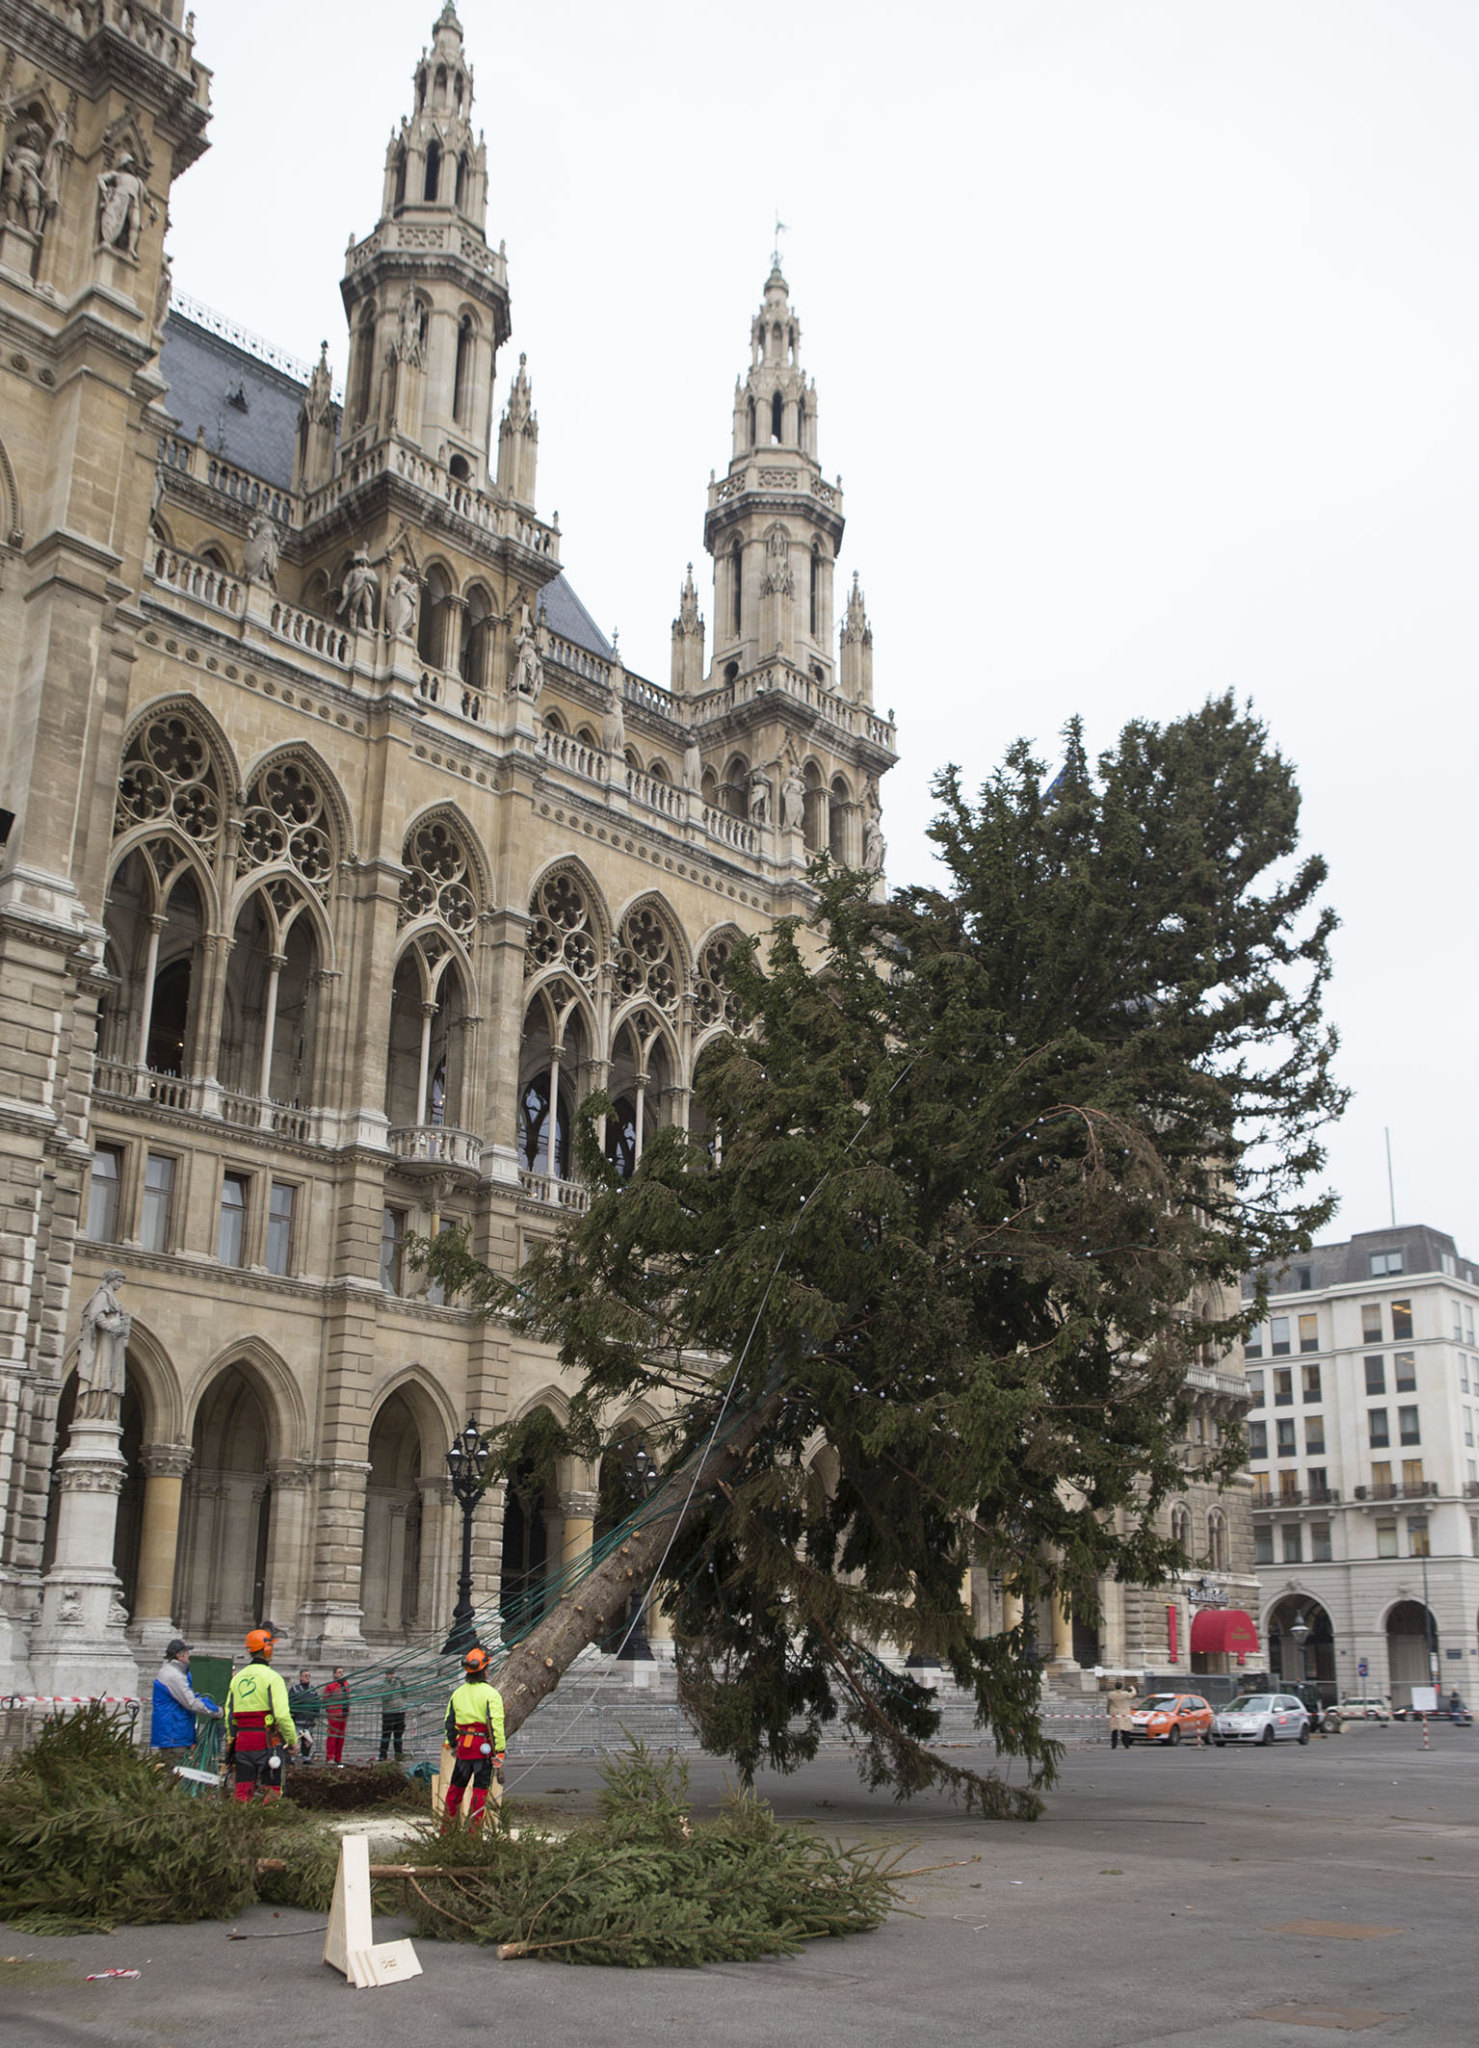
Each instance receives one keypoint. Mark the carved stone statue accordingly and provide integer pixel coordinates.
(319, 401)
(693, 766)
(875, 847)
(121, 208)
(259, 556)
(759, 802)
(793, 800)
(527, 676)
(22, 184)
(613, 723)
(410, 330)
(163, 293)
(778, 578)
(103, 1350)
(357, 599)
(400, 606)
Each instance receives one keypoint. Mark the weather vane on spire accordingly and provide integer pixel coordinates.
(780, 229)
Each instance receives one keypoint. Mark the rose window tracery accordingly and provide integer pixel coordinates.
(646, 962)
(286, 820)
(168, 775)
(439, 882)
(713, 1003)
(563, 930)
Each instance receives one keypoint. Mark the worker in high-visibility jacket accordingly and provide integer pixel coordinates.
(475, 1731)
(259, 1723)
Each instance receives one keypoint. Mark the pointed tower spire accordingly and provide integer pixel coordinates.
(518, 440)
(857, 648)
(774, 523)
(688, 641)
(427, 299)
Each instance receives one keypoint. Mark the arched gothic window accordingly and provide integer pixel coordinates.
(737, 584)
(1217, 1540)
(563, 929)
(777, 417)
(441, 880)
(713, 1002)
(1181, 1532)
(647, 960)
(287, 819)
(433, 169)
(169, 775)
(462, 376)
(816, 585)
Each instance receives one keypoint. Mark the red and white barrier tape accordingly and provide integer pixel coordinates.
(70, 1699)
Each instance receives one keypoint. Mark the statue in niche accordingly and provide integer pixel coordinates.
(693, 766)
(400, 606)
(793, 800)
(778, 578)
(613, 722)
(259, 556)
(22, 185)
(58, 156)
(875, 846)
(410, 330)
(121, 208)
(357, 599)
(164, 292)
(102, 1353)
(527, 677)
(759, 799)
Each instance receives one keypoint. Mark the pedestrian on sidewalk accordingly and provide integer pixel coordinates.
(336, 1700)
(1119, 1701)
(304, 1700)
(176, 1707)
(392, 1716)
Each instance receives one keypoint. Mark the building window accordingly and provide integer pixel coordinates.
(1181, 1533)
(1386, 1539)
(1417, 1536)
(1309, 1333)
(1371, 1323)
(1468, 1323)
(1255, 1389)
(1253, 1343)
(281, 1204)
(1279, 1332)
(231, 1236)
(1412, 1475)
(1314, 1436)
(1405, 1364)
(1385, 1262)
(1283, 1386)
(1381, 1478)
(1319, 1543)
(157, 1214)
(1401, 1321)
(1458, 1322)
(1263, 1544)
(1287, 1447)
(1257, 1439)
(1306, 1278)
(1319, 1490)
(436, 1292)
(1463, 1374)
(1289, 1486)
(1217, 1541)
(1469, 1427)
(1474, 1534)
(1407, 1425)
(1376, 1376)
(392, 1248)
(1293, 1545)
(1311, 1383)
(102, 1193)
(1376, 1421)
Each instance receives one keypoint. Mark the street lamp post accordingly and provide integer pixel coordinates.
(1428, 1612)
(640, 1474)
(1299, 1628)
(467, 1462)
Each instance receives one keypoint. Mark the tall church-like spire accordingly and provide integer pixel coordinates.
(774, 522)
(426, 297)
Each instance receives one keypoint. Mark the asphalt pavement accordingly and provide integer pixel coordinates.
(1216, 1897)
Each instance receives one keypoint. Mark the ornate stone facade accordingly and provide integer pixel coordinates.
(344, 857)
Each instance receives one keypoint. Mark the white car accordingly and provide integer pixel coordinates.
(1365, 1706)
(1263, 1717)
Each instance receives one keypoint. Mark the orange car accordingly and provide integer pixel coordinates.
(1168, 1716)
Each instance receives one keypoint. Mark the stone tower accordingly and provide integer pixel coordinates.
(426, 298)
(811, 751)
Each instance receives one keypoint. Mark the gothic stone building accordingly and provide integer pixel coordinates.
(343, 856)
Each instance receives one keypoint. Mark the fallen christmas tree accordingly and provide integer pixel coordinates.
(94, 1834)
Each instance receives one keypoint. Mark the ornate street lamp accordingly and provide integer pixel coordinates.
(467, 1462)
(640, 1474)
(1299, 1628)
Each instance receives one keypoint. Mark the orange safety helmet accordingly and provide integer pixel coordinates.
(475, 1663)
(260, 1642)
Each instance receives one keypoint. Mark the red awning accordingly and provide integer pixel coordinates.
(1218, 1629)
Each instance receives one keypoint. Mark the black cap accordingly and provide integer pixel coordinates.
(178, 1643)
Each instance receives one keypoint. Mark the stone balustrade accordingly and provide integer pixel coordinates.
(651, 697)
(487, 513)
(563, 750)
(142, 1084)
(436, 1145)
(257, 1113)
(308, 630)
(654, 794)
(146, 26)
(452, 693)
(736, 832)
(202, 581)
(194, 459)
(555, 1194)
(579, 660)
(781, 680)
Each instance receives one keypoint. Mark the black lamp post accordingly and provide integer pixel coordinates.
(1299, 1628)
(641, 1475)
(466, 1461)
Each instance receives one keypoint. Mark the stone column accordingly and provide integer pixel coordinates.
(287, 1545)
(580, 1524)
(1063, 1657)
(80, 1646)
(1011, 1610)
(165, 1466)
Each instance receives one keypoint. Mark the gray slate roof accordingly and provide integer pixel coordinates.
(1423, 1250)
(566, 615)
(249, 410)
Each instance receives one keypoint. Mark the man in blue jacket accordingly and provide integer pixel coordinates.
(172, 1726)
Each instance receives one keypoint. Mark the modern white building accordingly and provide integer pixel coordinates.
(1365, 1389)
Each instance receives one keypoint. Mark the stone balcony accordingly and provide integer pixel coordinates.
(435, 1151)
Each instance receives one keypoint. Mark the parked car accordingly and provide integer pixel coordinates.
(1324, 1715)
(1263, 1717)
(1365, 1706)
(1167, 1717)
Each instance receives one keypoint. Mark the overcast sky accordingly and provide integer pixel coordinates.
(1145, 341)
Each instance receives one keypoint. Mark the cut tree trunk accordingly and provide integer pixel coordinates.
(594, 1607)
